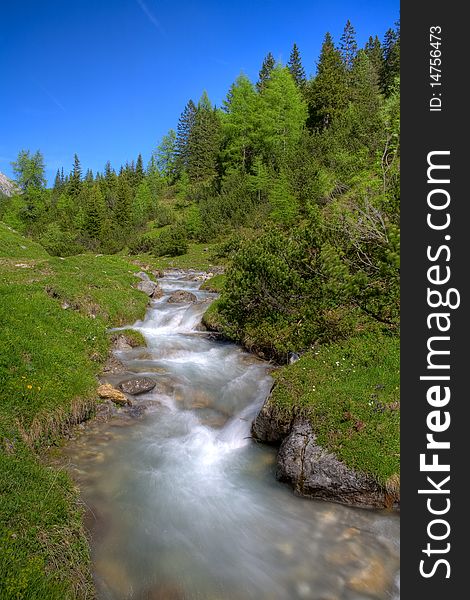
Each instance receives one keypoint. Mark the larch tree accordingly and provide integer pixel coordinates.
(283, 114)
(240, 125)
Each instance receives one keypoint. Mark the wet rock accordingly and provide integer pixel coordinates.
(142, 275)
(181, 296)
(148, 287)
(136, 411)
(269, 426)
(138, 385)
(108, 392)
(318, 474)
(121, 342)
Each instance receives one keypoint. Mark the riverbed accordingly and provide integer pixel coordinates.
(181, 503)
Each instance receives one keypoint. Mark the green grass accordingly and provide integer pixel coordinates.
(350, 392)
(18, 247)
(198, 257)
(55, 314)
(214, 284)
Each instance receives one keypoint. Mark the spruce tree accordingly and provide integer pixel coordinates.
(75, 180)
(57, 181)
(348, 45)
(94, 212)
(139, 170)
(204, 142)
(328, 93)
(265, 71)
(391, 61)
(296, 69)
(183, 132)
(123, 207)
(374, 51)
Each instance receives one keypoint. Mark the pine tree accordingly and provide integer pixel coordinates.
(391, 61)
(75, 180)
(296, 69)
(89, 178)
(123, 207)
(204, 142)
(348, 45)
(328, 93)
(183, 132)
(139, 170)
(57, 182)
(94, 212)
(266, 70)
(373, 49)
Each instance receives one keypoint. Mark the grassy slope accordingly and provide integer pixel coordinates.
(350, 392)
(198, 257)
(49, 358)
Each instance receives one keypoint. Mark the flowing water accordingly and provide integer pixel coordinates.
(182, 504)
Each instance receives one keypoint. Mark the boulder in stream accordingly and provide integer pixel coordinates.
(150, 288)
(181, 296)
(108, 392)
(137, 385)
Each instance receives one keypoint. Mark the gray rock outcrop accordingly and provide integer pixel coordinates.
(316, 473)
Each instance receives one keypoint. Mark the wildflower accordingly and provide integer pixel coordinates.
(29, 386)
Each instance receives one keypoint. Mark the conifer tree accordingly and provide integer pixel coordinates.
(295, 67)
(165, 156)
(391, 60)
(240, 124)
(204, 142)
(139, 170)
(348, 45)
(75, 181)
(373, 49)
(94, 211)
(265, 71)
(282, 116)
(29, 170)
(328, 94)
(183, 132)
(123, 207)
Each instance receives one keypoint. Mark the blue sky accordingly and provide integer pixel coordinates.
(107, 78)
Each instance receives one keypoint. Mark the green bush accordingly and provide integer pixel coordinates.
(171, 242)
(58, 242)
